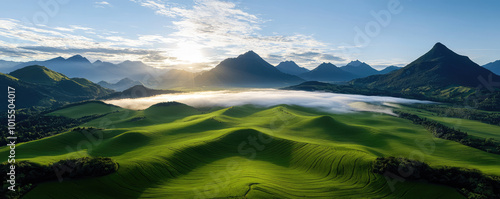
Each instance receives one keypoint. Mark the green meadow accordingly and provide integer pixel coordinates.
(172, 150)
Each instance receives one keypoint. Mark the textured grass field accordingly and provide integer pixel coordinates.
(472, 127)
(176, 151)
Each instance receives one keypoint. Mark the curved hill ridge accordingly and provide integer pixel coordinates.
(39, 86)
(245, 151)
(38, 74)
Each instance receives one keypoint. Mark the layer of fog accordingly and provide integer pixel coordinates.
(331, 102)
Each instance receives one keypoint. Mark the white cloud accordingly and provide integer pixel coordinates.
(72, 28)
(157, 5)
(20, 42)
(102, 4)
(207, 32)
(221, 26)
(332, 102)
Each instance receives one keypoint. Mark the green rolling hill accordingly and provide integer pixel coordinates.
(39, 86)
(174, 150)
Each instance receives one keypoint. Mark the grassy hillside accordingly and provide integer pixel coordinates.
(38, 74)
(285, 151)
(472, 127)
(39, 86)
(85, 109)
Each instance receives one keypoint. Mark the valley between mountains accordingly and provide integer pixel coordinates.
(248, 129)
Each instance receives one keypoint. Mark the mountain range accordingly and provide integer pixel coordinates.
(389, 69)
(121, 85)
(137, 91)
(246, 70)
(360, 69)
(290, 67)
(438, 75)
(328, 72)
(8, 66)
(493, 67)
(79, 66)
(438, 68)
(39, 86)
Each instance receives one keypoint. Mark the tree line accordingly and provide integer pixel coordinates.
(461, 112)
(29, 174)
(439, 130)
(39, 126)
(469, 182)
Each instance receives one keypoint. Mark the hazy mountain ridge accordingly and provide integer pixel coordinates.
(389, 69)
(360, 69)
(8, 66)
(79, 66)
(246, 70)
(137, 91)
(256, 72)
(290, 67)
(493, 67)
(121, 85)
(328, 72)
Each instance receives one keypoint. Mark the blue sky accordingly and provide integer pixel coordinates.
(198, 34)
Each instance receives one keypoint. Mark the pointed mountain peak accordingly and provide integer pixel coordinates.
(78, 58)
(290, 67)
(57, 59)
(439, 50)
(327, 65)
(439, 45)
(98, 62)
(356, 63)
(250, 54)
(288, 63)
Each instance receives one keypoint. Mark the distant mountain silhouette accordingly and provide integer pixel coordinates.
(360, 69)
(247, 70)
(177, 78)
(75, 66)
(137, 91)
(8, 66)
(328, 72)
(493, 67)
(39, 86)
(438, 68)
(79, 66)
(77, 59)
(290, 67)
(121, 85)
(389, 69)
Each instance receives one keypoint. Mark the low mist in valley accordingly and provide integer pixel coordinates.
(331, 102)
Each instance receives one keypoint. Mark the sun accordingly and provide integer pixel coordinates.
(189, 52)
